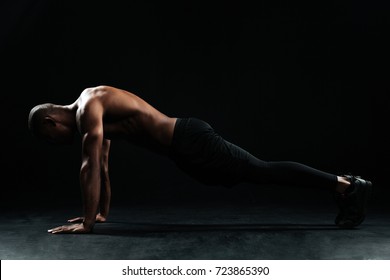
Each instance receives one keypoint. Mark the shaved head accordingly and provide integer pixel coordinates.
(37, 114)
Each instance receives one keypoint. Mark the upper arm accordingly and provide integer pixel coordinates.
(90, 122)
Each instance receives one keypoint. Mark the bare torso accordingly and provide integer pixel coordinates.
(127, 116)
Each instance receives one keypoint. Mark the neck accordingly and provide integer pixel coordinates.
(68, 117)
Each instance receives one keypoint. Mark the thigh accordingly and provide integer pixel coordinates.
(208, 157)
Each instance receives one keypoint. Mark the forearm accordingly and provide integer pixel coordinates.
(90, 186)
(105, 194)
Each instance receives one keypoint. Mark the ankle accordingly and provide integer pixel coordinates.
(342, 184)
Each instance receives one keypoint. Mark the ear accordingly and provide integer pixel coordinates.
(49, 121)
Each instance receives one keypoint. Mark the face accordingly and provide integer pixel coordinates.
(56, 133)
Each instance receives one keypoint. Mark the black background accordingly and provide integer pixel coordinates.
(306, 82)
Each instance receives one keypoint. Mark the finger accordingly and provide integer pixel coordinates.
(60, 230)
(65, 231)
(75, 219)
(54, 229)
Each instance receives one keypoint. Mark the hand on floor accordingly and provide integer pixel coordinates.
(99, 219)
(75, 228)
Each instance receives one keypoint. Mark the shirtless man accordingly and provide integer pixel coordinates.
(103, 113)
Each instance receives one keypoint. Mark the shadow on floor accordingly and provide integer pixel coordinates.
(122, 228)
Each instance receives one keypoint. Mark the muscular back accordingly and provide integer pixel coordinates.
(127, 116)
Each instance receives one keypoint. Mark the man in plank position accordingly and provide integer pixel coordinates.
(103, 113)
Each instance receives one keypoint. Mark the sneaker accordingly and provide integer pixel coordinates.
(353, 203)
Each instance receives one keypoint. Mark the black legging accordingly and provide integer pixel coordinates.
(202, 153)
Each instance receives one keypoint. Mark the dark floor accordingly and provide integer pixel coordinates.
(199, 230)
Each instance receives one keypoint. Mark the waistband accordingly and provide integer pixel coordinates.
(180, 126)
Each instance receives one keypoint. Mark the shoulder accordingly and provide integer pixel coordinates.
(90, 110)
(93, 96)
(94, 92)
